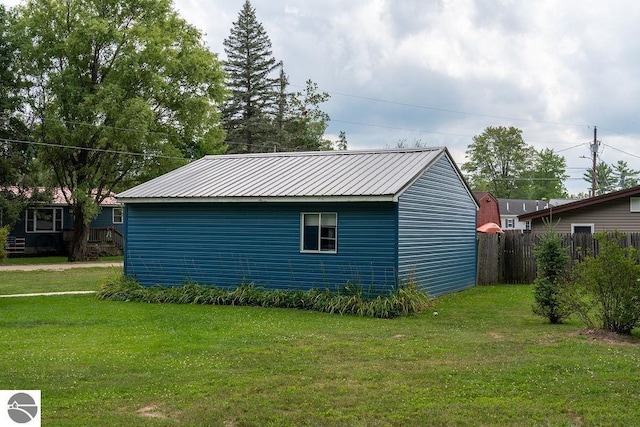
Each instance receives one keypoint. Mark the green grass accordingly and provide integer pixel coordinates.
(35, 260)
(484, 360)
(74, 279)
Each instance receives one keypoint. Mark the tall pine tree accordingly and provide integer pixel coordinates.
(250, 111)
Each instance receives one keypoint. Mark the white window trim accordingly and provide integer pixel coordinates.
(113, 216)
(319, 251)
(56, 212)
(634, 204)
(573, 227)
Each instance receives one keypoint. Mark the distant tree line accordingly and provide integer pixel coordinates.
(500, 161)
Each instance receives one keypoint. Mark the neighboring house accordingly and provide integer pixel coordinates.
(489, 210)
(306, 220)
(45, 228)
(511, 209)
(619, 210)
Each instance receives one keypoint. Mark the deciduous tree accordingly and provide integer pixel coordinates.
(498, 161)
(113, 77)
(548, 175)
(16, 155)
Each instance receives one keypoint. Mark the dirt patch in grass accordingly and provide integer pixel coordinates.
(152, 411)
(610, 337)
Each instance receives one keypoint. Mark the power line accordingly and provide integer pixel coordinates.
(445, 110)
(102, 150)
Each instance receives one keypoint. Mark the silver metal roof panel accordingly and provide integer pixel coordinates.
(379, 174)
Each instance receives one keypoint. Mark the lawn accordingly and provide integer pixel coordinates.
(74, 279)
(34, 260)
(484, 360)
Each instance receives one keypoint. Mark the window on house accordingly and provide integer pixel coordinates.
(42, 220)
(527, 225)
(319, 232)
(582, 228)
(118, 215)
(510, 223)
(634, 204)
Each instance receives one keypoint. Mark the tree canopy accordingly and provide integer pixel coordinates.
(500, 161)
(112, 77)
(17, 160)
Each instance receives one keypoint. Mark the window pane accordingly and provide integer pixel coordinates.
(328, 244)
(310, 238)
(117, 215)
(30, 220)
(329, 220)
(58, 212)
(44, 220)
(311, 219)
(582, 229)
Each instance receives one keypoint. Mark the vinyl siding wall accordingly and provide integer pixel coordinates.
(226, 244)
(606, 216)
(47, 241)
(437, 236)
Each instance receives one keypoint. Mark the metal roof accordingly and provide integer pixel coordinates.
(318, 175)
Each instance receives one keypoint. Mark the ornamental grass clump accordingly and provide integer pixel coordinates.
(403, 301)
(604, 290)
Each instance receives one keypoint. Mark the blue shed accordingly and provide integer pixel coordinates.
(306, 220)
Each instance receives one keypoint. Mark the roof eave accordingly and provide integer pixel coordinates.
(628, 192)
(253, 199)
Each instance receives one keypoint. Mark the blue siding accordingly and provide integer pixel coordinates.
(436, 232)
(226, 244)
(104, 220)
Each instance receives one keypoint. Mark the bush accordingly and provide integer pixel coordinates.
(605, 289)
(405, 300)
(551, 260)
(4, 233)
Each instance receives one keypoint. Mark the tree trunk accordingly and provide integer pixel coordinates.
(78, 250)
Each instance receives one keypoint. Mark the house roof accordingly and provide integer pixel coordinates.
(58, 196)
(516, 207)
(301, 176)
(627, 192)
(479, 195)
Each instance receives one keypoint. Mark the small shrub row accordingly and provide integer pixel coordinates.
(602, 290)
(403, 301)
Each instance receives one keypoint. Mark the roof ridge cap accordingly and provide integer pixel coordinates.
(324, 153)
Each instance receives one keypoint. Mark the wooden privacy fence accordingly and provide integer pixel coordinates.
(509, 258)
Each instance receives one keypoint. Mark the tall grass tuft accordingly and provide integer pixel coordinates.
(403, 301)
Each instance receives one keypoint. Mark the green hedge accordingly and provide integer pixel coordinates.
(405, 300)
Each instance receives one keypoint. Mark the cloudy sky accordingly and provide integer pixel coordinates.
(441, 71)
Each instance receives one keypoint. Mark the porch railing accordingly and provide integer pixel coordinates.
(106, 235)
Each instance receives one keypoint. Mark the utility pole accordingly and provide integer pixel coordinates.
(594, 154)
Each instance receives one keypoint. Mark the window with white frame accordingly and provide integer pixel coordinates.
(527, 225)
(582, 228)
(510, 223)
(118, 215)
(43, 220)
(319, 232)
(634, 203)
